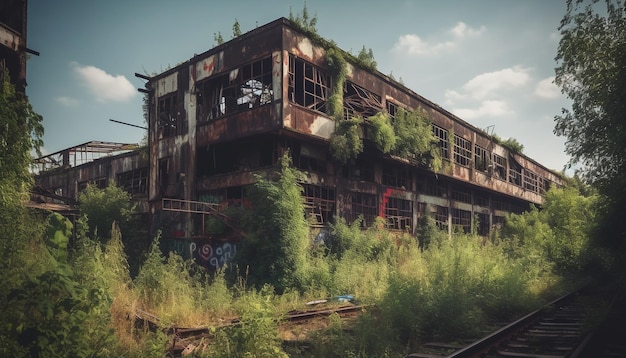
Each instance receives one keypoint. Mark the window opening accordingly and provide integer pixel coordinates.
(441, 217)
(499, 167)
(462, 196)
(462, 151)
(530, 180)
(482, 159)
(392, 109)
(399, 214)
(319, 202)
(442, 135)
(164, 174)
(397, 176)
(359, 102)
(481, 199)
(463, 219)
(170, 121)
(134, 182)
(515, 174)
(308, 86)
(244, 88)
(366, 205)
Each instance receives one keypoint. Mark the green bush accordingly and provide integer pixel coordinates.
(105, 206)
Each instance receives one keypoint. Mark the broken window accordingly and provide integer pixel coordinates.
(481, 198)
(462, 151)
(498, 221)
(309, 158)
(500, 205)
(482, 159)
(530, 180)
(170, 121)
(397, 176)
(482, 224)
(463, 219)
(164, 175)
(319, 202)
(134, 182)
(515, 174)
(308, 85)
(392, 109)
(99, 183)
(462, 196)
(365, 205)
(442, 135)
(399, 214)
(441, 217)
(435, 188)
(359, 169)
(499, 167)
(243, 88)
(359, 102)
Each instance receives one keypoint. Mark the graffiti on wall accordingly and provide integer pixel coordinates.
(209, 254)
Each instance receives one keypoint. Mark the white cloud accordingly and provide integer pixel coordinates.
(490, 83)
(547, 89)
(488, 108)
(67, 101)
(412, 44)
(461, 30)
(104, 86)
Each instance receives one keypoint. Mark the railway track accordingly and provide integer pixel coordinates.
(556, 330)
(185, 340)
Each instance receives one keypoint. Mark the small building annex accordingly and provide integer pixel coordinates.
(220, 117)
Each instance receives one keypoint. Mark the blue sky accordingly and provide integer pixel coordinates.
(491, 62)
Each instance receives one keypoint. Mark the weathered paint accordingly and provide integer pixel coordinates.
(167, 84)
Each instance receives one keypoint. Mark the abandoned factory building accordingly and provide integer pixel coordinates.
(226, 114)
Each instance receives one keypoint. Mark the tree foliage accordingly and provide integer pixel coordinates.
(303, 20)
(347, 140)
(21, 132)
(236, 29)
(366, 58)
(276, 249)
(591, 71)
(105, 206)
(415, 139)
(382, 133)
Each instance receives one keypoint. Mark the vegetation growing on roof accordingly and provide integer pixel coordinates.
(511, 144)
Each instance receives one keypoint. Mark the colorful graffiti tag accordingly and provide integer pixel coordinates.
(209, 254)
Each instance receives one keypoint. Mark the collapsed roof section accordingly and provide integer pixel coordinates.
(81, 154)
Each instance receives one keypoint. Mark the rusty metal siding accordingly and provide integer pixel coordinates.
(237, 126)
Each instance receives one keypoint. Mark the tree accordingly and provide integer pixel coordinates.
(217, 37)
(303, 21)
(21, 132)
(366, 57)
(104, 206)
(276, 249)
(591, 71)
(236, 29)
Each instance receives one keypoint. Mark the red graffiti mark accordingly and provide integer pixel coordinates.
(209, 67)
(383, 203)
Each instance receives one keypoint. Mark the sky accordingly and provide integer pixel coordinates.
(490, 62)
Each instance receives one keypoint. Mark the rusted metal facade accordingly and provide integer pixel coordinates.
(13, 41)
(62, 175)
(226, 114)
(233, 110)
